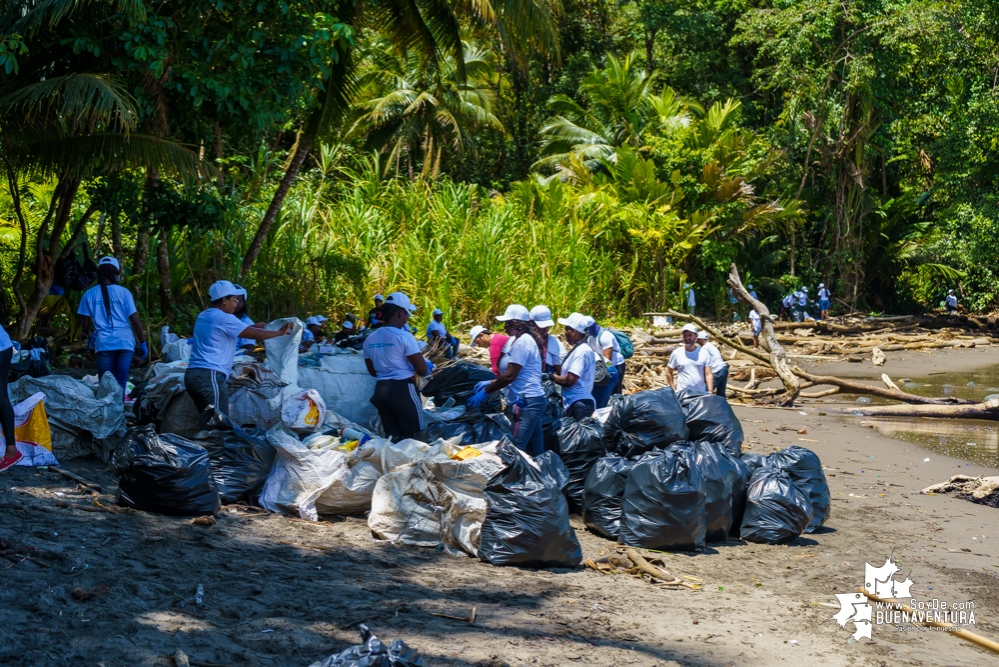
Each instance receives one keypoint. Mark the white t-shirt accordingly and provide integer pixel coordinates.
(689, 367)
(524, 352)
(824, 294)
(555, 352)
(4, 340)
(802, 298)
(714, 357)
(246, 341)
(387, 348)
(581, 363)
(952, 300)
(754, 319)
(113, 333)
(606, 340)
(307, 335)
(788, 301)
(436, 326)
(213, 345)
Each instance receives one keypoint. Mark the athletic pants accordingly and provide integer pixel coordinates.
(399, 407)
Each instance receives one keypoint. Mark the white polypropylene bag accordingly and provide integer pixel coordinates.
(352, 493)
(345, 385)
(304, 412)
(282, 352)
(299, 475)
(178, 350)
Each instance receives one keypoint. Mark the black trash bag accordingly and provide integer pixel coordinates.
(738, 492)
(603, 494)
(776, 510)
(805, 469)
(753, 461)
(527, 517)
(240, 461)
(643, 421)
(165, 474)
(663, 505)
(474, 429)
(580, 445)
(710, 418)
(723, 479)
(373, 653)
(553, 413)
(458, 381)
(554, 467)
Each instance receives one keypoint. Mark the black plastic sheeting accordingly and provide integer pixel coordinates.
(776, 510)
(474, 429)
(753, 461)
(527, 517)
(724, 483)
(458, 381)
(805, 470)
(240, 461)
(553, 466)
(603, 494)
(663, 506)
(710, 418)
(373, 653)
(580, 445)
(643, 421)
(165, 474)
(553, 413)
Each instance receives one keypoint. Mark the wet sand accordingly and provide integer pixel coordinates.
(268, 603)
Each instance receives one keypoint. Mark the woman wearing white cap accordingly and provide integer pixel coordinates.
(578, 366)
(520, 380)
(436, 330)
(373, 314)
(110, 310)
(213, 347)
(605, 344)
(248, 345)
(719, 369)
(541, 323)
(495, 342)
(345, 332)
(393, 356)
(951, 301)
(11, 455)
(688, 369)
(313, 331)
(823, 302)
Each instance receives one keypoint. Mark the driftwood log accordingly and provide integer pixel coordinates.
(987, 410)
(895, 394)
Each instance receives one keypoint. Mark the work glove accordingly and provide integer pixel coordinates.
(478, 398)
(518, 404)
(143, 351)
(92, 341)
(430, 367)
(482, 385)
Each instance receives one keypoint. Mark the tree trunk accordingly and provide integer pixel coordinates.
(989, 410)
(119, 252)
(141, 256)
(22, 250)
(163, 264)
(894, 394)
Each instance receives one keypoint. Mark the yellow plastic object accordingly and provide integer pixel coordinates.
(349, 446)
(466, 453)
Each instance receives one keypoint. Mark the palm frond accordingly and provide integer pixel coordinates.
(70, 100)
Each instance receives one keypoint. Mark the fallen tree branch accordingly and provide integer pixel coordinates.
(987, 410)
(893, 394)
(655, 572)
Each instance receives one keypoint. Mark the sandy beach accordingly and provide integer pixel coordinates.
(280, 591)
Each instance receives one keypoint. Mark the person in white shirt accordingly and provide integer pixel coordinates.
(578, 367)
(787, 305)
(11, 454)
(719, 369)
(802, 304)
(823, 302)
(520, 380)
(757, 326)
(311, 334)
(437, 331)
(110, 310)
(604, 344)
(687, 370)
(247, 345)
(951, 301)
(393, 356)
(213, 348)
(541, 324)
(691, 298)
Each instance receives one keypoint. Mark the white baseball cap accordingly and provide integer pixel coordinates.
(379, 297)
(401, 300)
(821, 285)
(688, 327)
(515, 312)
(804, 289)
(475, 332)
(348, 325)
(575, 321)
(322, 318)
(437, 311)
(105, 261)
(703, 335)
(542, 316)
(240, 290)
(223, 288)
(751, 285)
(311, 320)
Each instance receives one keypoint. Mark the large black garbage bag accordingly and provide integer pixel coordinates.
(640, 422)
(373, 653)
(710, 418)
(458, 381)
(776, 510)
(738, 492)
(527, 517)
(553, 413)
(473, 427)
(663, 505)
(723, 480)
(580, 444)
(165, 474)
(240, 461)
(753, 461)
(805, 469)
(553, 466)
(603, 494)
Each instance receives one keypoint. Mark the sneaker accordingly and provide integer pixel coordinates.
(9, 461)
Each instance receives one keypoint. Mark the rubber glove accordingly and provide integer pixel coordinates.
(143, 351)
(92, 341)
(482, 385)
(477, 399)
(430, 367)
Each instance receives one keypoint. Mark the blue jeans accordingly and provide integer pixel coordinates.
(116, 361)
(527, 433)
(601, 395)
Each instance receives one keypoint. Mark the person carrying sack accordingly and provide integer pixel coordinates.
(110, 321)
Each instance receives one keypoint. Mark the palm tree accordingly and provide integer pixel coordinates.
(418, 113)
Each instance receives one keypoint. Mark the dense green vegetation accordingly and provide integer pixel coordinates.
(587, 154)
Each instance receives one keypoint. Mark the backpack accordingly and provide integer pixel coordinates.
(73, 275)
(627, 347)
